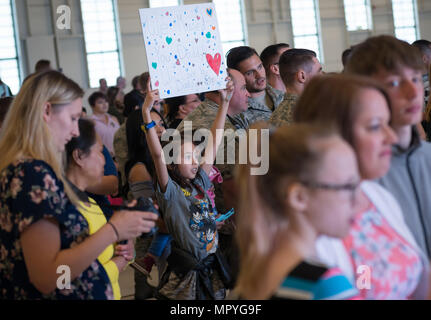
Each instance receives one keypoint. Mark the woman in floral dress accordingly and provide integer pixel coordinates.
(46, 250)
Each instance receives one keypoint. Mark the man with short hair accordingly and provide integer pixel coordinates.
(42, 66)
(398, 66)
(270, 57)
(263, 98)
(425, 47)
(103, 86)
(121, 83)
(134, 98)
(297, 68)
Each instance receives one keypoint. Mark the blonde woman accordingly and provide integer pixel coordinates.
(46, 247)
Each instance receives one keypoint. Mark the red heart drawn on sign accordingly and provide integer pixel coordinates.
(215, 62)
(157, 83)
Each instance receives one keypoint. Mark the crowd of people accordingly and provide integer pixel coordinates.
(341, 213)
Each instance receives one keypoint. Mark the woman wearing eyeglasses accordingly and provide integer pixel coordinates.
(310, 189)
(379, 255)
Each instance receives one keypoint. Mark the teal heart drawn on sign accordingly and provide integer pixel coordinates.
(208, 35)
(210, 12)
(154, 65)
(168, 40)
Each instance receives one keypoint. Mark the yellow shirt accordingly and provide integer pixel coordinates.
(96, 220)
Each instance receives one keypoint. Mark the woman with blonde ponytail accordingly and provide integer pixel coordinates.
(309, 190)
(46, 248)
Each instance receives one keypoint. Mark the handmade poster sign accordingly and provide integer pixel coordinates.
(184, 50)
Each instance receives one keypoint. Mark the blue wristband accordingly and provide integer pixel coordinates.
(148, 126)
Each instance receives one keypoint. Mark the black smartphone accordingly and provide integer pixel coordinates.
(144, 204)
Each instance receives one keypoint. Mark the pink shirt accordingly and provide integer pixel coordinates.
(106, 131)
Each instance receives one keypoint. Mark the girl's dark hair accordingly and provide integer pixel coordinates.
(174, 107)
(137, 144)
(173, 169)
(86, 139)
(138, 150)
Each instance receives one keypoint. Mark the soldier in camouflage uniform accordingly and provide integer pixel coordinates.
(264, 98)
(297, 68)
(284, 113)
(270, 57)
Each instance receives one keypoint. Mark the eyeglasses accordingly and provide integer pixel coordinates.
(352, 187)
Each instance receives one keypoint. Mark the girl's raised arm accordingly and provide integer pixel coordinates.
(152, 138)
(218, 125)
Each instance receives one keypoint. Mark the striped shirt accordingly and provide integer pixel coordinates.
(314, 281)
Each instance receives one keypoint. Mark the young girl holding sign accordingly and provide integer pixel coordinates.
(195, 269)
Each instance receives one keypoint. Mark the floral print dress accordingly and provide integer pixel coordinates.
(395, 266)
(29, 192)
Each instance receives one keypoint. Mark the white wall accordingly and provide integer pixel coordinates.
(266, 25)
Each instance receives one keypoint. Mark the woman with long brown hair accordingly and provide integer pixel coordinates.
(379, 240)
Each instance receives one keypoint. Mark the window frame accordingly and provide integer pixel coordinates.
(118, 42)
(243, 23)
(18, 55)
(415, 18)
(180, 3)
(370, 24)
(318, 34)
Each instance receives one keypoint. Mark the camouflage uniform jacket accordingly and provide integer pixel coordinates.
(257, 111)
(284, 113)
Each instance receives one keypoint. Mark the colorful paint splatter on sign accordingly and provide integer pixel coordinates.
(184, 50)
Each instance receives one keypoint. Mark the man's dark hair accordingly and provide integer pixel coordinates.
(423, 45)
(270, 54)
(292, 60)
(237, 55)
(42, 65)
(94, 96)
(383, 53)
